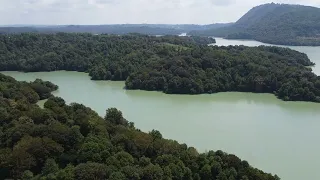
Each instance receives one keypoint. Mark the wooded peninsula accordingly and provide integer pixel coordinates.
(171, 64)
(66, 142)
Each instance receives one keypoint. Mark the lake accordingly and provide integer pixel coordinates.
(275, 136)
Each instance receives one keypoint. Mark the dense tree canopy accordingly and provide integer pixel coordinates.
(66, 142)
(209, 70)
(276, 24)
(172, 64)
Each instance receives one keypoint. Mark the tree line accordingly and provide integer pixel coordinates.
(149, 29)
(171, 64)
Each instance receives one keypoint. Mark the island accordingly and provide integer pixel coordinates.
(66, 142)
(171, 64)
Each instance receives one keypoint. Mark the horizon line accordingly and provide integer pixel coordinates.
(24, 25)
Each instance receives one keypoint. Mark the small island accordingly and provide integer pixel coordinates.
(171, 64)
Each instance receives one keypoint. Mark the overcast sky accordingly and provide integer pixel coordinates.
(129, 11)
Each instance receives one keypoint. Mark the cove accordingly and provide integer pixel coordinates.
(275, 136)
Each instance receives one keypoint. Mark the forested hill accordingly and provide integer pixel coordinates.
(274, 23)
(149, 29)
(71, 142)
(171, 64)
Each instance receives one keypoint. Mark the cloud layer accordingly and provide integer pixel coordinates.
(128, 11)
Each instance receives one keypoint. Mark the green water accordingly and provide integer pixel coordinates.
(275, 136)
(312, 52)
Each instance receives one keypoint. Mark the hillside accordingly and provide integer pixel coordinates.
(171, 64)
(276, 24)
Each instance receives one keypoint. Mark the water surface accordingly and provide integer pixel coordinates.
(275, 136)
(313, 52)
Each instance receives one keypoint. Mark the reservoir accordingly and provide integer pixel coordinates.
(275, 136)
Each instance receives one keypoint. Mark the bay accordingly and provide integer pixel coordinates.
(275, 136)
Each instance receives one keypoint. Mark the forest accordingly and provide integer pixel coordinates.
(66, 142)
(171, 64)
(281, 24)
(149, 29)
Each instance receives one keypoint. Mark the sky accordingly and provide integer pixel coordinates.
(60, 12)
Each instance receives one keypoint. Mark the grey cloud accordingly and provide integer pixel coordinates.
(67, 5)
(128, 11)
(106, 1)
(222, 2)
(60, 4)
(32, 1)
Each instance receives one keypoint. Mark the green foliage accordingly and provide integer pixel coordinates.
(131, 172)
(155, 134)
(67, 173)
(89, 171)
(27, 175)
(144, 161)
(124, 158)
(43, 88)
(50, 167)
(234, 68)
(152, 172)
(205, 172)
(274, 23)
(171, 64)
(117, 176)
(39, 144)
(30, 94)
(115, 116)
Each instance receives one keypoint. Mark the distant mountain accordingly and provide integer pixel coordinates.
(150, 29)
(4, 30)
(282, 24)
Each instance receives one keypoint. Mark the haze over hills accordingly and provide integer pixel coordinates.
(150, 29)
(282, 24)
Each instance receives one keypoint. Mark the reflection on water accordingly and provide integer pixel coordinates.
(273, 135)
(230, 98)
(218, 98)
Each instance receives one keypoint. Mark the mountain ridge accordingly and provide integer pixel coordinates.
(282, 24)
